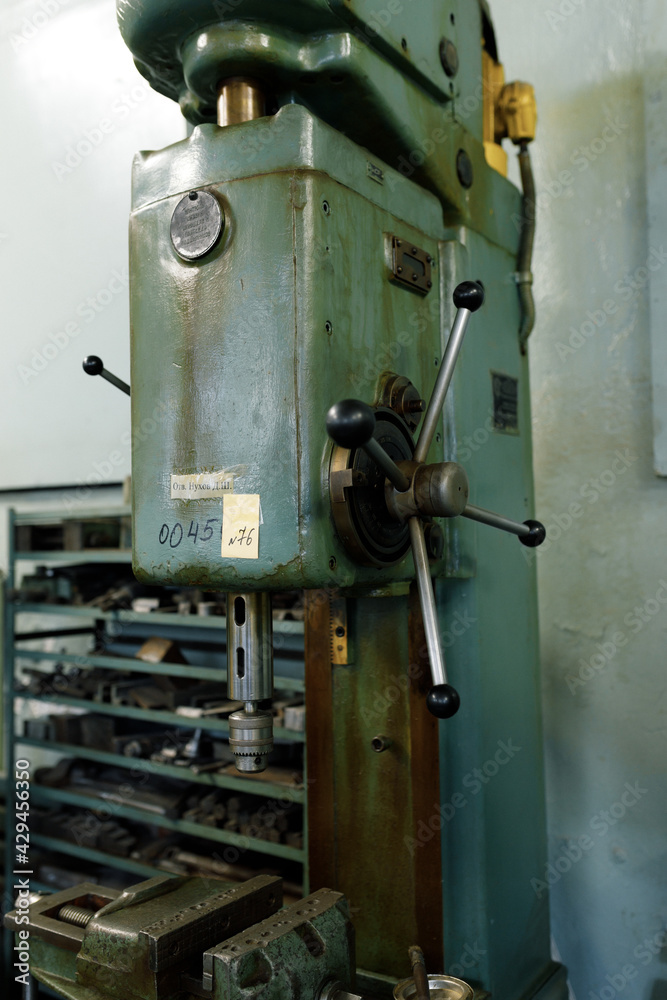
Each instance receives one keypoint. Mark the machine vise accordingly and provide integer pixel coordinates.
(186, 938)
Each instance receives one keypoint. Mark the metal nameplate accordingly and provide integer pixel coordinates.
(411, 265)
(196, 225)
(505, 403)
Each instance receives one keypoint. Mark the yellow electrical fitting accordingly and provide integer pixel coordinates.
(517, 108)
(509, 111)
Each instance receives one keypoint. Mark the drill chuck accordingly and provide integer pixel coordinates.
(251, 739)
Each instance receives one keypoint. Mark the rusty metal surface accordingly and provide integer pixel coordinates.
(416, 956)
(291, 955)
(260, 337)
(319, 739)
(371, 861)
(365, 806)
(138, 949)
(425, 782)
(167, 938)
(43, 914)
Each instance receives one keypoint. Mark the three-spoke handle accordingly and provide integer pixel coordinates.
(351, 424)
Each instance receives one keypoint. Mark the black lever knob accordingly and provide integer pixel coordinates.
(535, 536)
(92, 365)
(350, 423)
(443, 701)
(468, 295)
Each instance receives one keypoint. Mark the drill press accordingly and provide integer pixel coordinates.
(304, 267)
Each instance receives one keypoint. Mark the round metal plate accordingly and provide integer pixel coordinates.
(196, 225)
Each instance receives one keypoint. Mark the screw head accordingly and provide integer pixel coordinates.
(449, 57)
(435, 540)
(464, 168)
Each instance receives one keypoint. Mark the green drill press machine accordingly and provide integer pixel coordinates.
(304, 267)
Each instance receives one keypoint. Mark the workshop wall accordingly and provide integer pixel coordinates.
(75, 111)
(602, 572)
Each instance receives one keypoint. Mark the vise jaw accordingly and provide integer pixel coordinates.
(186, 938)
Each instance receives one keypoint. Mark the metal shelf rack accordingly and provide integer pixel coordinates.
(74, 620)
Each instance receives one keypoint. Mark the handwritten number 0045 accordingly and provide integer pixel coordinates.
(175, 534)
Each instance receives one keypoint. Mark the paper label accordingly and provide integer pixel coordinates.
(202, 485)
(240, 526)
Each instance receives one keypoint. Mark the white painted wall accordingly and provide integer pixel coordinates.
(603, 597)
(74, 112)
